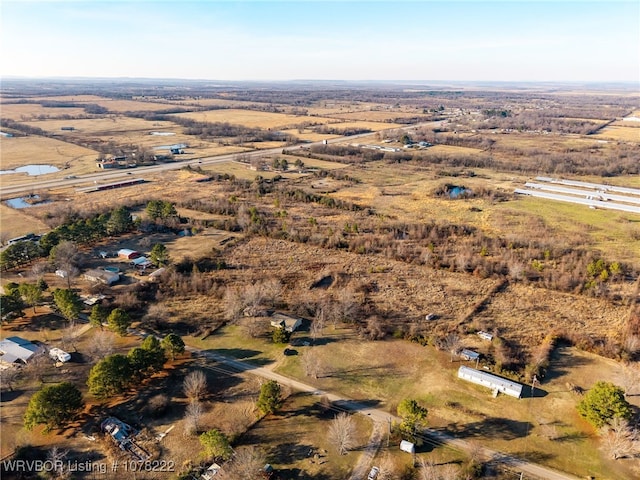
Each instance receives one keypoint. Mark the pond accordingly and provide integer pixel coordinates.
(32, 170)
(25, 202)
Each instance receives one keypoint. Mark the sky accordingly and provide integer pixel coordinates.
(420, 40)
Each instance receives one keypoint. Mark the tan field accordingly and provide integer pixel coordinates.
(119, 106)
(69, 98)
(29, 111)
(18, 151)
(14, 223)
(252, 119)
(377, 116)
(625, 134)
(373, 126)
(308, 135)
(216, 102)
(104, 126)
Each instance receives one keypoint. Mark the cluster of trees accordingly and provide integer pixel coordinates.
(81, 231)
(117, 372)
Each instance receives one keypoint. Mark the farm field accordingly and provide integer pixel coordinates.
(19, 151)
(620, 133)
(30, 111)
(105, 126)
(390, 258)
(252, 119)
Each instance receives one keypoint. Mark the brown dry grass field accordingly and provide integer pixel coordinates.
(18, 151)
(377, 116)
(253, 119)
(308, 136)
(620, 133)
(28, 111)
(107, 125)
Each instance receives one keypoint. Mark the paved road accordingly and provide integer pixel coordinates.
(107, 176)
(380, 417)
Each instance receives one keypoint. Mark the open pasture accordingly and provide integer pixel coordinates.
(15, 223)
(626, 133)
(373, 126)
(30, 111)
(18, 151)
(67, 98)
(307, 135)
(252, 119)
(106, 125)
(119, 106)
(378, 116)
(215, 102)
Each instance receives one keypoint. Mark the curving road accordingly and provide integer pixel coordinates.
(382, 418)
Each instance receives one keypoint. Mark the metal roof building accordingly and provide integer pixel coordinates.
(16, 349)
(494, 382)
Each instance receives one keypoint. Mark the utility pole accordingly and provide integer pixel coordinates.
(389, 433)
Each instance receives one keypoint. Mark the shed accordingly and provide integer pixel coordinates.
(141, 262)
(289, 323)
(485, 335)
(408, 447)
(489, 380)
(102, 276)
(469, 354)
(128, 254)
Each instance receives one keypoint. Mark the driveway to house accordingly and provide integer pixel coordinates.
(381, 419)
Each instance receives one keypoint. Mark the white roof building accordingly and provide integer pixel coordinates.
(494, 382)
(17, 350)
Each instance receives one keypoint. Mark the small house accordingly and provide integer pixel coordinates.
(102, 276)
(128, 254)
(485, 335)
(469, 355)
(141, 262)
(289, 323)
(489, 380)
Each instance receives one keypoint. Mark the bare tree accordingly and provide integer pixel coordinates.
(8, 376)
(102, 345)
(312, 364)
(192, 417)
(195, 385)
(630, 378)
(56, 458)
(318, 324)
(428, 470)
(247, 463)
(342, 432)
(70, 335)
(65, 256)
(452, 344)
(38, 269)
(619, 440)
(233, 303)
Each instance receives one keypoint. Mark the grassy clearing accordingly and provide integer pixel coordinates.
(297, 433)
(308, 135)
(393, 370)
(106, 126)
(252, 118)
(29, 111)
(612, 233)
(18, 151)
(620, 133)
(14, 223)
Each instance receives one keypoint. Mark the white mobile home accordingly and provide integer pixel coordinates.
(494, 382)
(59, 355)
